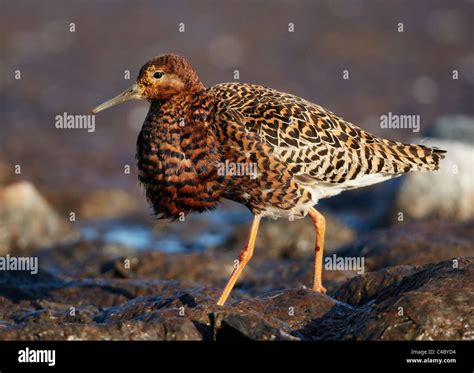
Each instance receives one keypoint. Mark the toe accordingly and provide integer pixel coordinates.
(320, 289)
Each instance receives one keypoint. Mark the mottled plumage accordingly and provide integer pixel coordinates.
(300, 151)
(320, 150)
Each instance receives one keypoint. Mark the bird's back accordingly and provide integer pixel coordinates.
(317, 146)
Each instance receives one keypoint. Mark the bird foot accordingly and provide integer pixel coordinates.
(320, 289)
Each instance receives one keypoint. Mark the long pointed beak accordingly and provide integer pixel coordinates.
(135, 92)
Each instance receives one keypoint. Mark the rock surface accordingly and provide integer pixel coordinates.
(85, 291)
(28, 220)
(413, 244)
(432, 302)
(447, 193)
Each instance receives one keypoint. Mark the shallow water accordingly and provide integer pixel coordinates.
(215, 228)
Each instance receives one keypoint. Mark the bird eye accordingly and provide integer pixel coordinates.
(158, 74)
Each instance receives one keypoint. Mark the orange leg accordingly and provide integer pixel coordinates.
(320, 226)
(245, 256)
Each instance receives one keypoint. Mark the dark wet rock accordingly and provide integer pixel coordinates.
(46, 289)
(46, 307)
(80, 315)
(132, 309)
(235, 327)
(207, 267)
(20, 285)
(291, 239)
(191, 302)
(170, 329)
(294, 307)
(362, 289)
(91, 290)
(433, 303)
(272, 275)
(82, 258)
(413, 244)
(28, 220)
(428, 302)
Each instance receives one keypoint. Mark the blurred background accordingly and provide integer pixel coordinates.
(402, 57)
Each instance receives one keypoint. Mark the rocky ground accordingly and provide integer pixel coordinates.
(62, 191)
(418, 285)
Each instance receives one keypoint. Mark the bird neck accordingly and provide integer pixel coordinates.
(183, 110)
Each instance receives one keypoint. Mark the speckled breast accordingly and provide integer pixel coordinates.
(178, 159)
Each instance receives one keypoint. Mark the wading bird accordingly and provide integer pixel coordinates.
(300, 151)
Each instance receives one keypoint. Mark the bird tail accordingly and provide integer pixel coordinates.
(431, 157)
(412, 157)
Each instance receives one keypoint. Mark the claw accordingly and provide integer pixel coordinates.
(320, 289)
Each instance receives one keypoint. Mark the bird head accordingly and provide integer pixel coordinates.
(159, 79)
